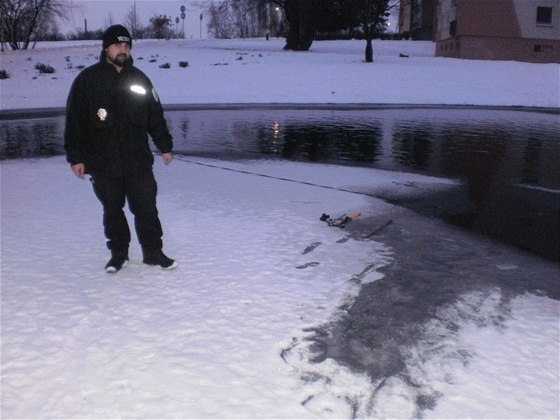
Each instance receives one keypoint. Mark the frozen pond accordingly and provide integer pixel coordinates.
(440, 327)
(507, 162)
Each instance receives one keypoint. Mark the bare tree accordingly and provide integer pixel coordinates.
(109, 21)
(226, 19)
(47, 30)
(22, 18)
(132, 21)
(242, 18)
(218, 22)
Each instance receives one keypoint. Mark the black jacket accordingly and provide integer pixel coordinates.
(108, 118)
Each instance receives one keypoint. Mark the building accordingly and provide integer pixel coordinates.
(521, 30)
(416, 19)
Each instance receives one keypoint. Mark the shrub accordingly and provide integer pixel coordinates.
(183, 64)
(4, 75)
(165, 66)
(44, 68)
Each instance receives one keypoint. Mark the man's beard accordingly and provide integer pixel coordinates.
(120, 60)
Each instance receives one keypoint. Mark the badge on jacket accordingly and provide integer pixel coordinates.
(102, 114)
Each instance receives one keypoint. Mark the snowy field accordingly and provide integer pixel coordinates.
(226, 335)
(259, 71)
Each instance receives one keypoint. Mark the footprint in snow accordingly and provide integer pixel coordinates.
(307, 265)
(311, 247)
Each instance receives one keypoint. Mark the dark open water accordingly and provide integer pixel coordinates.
(507, 162)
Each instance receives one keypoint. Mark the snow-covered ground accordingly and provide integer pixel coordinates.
(229, 333)
(259, 71)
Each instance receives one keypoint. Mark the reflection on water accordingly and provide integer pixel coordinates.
(465, 144)
(507, 162)
(31, 138)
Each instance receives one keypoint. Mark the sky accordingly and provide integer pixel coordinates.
(101, 13)
(230, 332)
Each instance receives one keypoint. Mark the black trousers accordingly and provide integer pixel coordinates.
(140, 191)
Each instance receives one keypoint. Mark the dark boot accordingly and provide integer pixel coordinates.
(159, 259)
(116, 262)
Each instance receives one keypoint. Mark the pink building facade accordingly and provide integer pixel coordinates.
(520, 30)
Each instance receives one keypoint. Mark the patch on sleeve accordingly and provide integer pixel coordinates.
(155, 95)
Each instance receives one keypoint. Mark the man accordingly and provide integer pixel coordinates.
(111, 109)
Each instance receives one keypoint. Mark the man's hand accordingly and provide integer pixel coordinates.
(79, 170)
(167, 157)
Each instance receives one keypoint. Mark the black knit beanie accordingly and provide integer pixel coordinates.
(115, 34)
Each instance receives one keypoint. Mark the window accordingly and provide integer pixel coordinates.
(453, 28)
(544, 15)
(538, 48)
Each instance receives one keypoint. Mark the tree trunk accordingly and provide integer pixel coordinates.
(301, 16)
(13, 43)
(32, 27)
(369, 50)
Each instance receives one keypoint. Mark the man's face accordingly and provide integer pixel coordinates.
(117, 54)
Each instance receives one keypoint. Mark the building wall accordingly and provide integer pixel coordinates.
(497, 30)
(416, 18)
(404, 16)
(446, 13)
(526, 15)
(485, 48)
